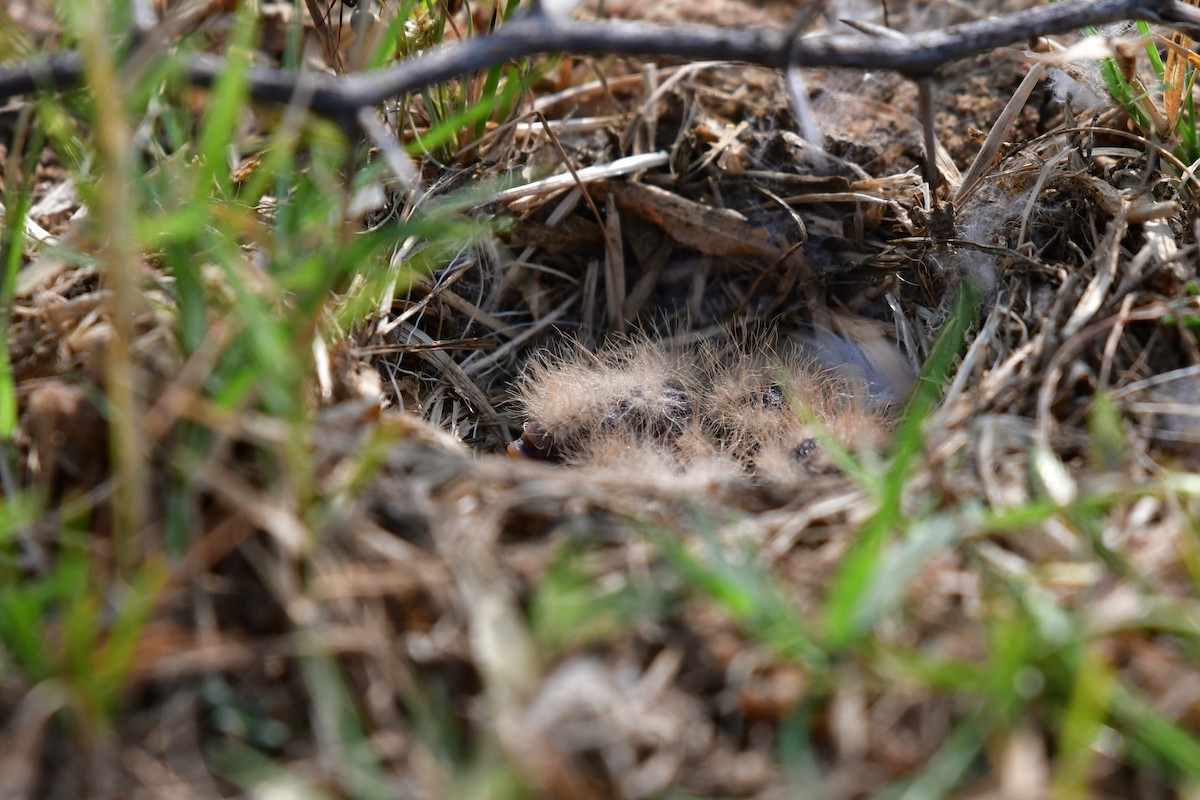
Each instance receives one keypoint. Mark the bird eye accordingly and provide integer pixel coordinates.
(805, 450)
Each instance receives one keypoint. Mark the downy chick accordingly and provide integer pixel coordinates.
(648, 408)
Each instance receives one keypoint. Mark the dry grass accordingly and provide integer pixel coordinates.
(343, 586)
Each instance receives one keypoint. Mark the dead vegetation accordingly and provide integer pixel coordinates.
(359, 594)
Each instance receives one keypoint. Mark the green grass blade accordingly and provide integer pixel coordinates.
(1161, 737)
(227, 102)
(743, 589)
(1151, 50)
(17, 202)
(1082, 725)
(947, 768)
(846, 611)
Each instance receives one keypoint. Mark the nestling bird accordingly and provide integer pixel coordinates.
(743, 409)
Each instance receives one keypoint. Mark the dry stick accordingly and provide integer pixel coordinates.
(566, 161)
(622, 166)
(1056, 368)
(996, 136)
(1114, 339)
(393, 153)
(338, 98)
(317, 14)
(501, 352)
(803, 18)
(614, 265)
(802, 109)
(928, 124)
(119, 256)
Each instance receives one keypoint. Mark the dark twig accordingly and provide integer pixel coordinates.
(338, 98)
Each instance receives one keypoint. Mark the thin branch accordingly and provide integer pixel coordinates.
(339, 98)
